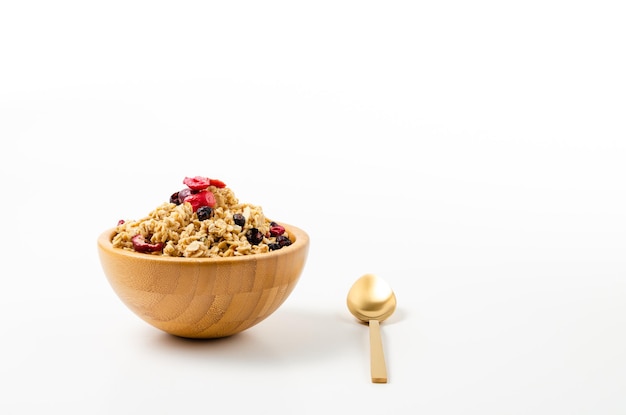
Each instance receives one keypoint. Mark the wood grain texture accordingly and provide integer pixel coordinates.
(204, 297)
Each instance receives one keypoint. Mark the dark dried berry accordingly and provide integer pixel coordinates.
(274, 246)
(183, 194)
(283, 240)
(239, 219)
(254, 236)
(174, 199)
(204, 212)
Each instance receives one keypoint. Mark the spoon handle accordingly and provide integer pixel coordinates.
(377, 357)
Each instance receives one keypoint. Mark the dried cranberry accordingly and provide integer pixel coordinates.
(217, 183)
(254, 236)
(276, 229)
(197, 182)
(121, 222)
(204, 198)
(141, 245)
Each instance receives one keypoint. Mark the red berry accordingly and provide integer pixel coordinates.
(217, 183)
(141, 245)
(204, 198)
(276, 229)
(197, 182)
(201, 183)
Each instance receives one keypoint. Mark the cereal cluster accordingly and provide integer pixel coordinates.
(205, 219)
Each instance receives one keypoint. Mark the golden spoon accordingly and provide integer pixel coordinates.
(372, 300)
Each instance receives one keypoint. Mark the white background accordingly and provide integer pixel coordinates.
(471, 153)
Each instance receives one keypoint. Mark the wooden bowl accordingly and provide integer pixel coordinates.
(204, 297)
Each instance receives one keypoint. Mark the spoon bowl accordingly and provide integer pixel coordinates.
(371, 300)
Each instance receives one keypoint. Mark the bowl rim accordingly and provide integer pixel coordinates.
(301, 242)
